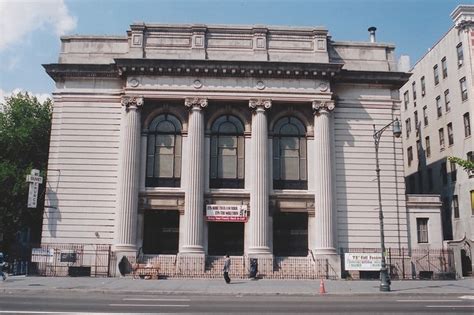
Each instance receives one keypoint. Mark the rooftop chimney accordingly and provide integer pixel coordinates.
(372, 30)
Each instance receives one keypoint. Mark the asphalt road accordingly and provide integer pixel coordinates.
(68, 303)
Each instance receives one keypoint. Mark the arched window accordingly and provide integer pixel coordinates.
(289, 154)
(227, 153)
(164, 152)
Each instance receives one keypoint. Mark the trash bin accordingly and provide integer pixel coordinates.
(253, 268)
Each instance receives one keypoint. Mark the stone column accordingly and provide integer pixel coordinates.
(194, 197)
(324, 207)
(258, 221)
(128, 177)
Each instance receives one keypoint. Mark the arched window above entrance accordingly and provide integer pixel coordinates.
(227, 153)
(289, 154)
(164, 152)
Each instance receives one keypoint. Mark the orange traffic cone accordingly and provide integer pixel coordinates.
(322, 290)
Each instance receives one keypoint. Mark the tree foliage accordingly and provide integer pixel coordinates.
(25, 125)
(465, 164)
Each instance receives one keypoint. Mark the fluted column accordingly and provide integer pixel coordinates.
(128, 176)
(258, 222)
(194, 197)
(324, 207)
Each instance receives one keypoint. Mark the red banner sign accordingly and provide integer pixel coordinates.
(226, 213)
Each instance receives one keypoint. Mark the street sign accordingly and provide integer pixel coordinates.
(34, 179)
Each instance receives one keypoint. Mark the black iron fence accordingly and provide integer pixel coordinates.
(404, 263)
(98, 260)
(72, 260)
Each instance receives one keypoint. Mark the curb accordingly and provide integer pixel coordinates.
(204, 293)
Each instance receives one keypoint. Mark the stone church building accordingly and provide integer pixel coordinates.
(185, 142)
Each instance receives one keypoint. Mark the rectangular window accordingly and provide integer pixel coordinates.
(423, 87)
(453, 171)
(430, 179)
(460, 55)
(463, 85)
(444, 173)
(472, 202)
(456, 206)
(439, 110)
(441, 139)
(444, 67)
(410, 155)
(408, 126)
(425, 116)
(447, 101)
(411, 184)
(416, 119)
(419, 149)
(422, 229)
(406, 99)
(436, 74)
(428, 146)
(467, 125)
(413, 90)
(450, 134)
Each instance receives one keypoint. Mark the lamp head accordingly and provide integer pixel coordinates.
(397, 128)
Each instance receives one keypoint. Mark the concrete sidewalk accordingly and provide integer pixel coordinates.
(237, 287)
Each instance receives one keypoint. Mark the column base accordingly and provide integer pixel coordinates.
(124, 248)
(259, 250)
(191, 264)
(264, 258)
(333, 260)
(125, 256)
(192, 249)
(325, 251)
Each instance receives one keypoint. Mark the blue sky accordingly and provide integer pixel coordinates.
(30, 29)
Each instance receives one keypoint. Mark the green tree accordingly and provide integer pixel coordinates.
(25, 125)
(465, 164)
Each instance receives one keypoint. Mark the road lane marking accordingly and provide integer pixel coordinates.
(50, 312)
(467, 297)
(172, 300)
(429, 301)
(152, 305)
(449, 306)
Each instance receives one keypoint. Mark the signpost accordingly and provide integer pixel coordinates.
(226, 213)
(34, 179)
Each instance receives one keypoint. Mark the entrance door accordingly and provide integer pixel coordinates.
(466, 264)
(161, 232)
(290, 234)
(225, 238)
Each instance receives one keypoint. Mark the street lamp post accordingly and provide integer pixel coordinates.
(384, 277)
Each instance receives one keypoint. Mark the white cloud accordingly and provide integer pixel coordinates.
(18, 18)
(40, 96)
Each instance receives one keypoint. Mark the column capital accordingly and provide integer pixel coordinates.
(323, 106)
(262, 103)
(192, 102)
(129, 102)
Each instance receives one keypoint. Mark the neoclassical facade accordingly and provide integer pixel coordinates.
(202, 140)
